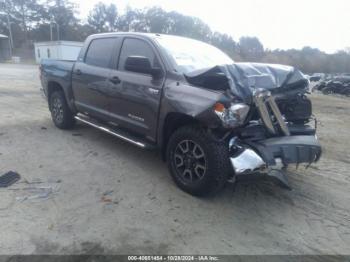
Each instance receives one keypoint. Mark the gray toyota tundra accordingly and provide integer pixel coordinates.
(212, 119)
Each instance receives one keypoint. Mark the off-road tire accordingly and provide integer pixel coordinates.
(61, 114)
(216, 161)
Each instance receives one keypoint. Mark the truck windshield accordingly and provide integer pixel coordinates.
(190, 55)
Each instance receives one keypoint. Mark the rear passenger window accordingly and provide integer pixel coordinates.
(100, 52)
(136, 47)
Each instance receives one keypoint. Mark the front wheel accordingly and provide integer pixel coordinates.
(198, 164)
(61, 115)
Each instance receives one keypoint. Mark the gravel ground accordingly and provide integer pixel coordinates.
(83, 191)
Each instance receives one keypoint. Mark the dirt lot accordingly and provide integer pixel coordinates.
(102, 195)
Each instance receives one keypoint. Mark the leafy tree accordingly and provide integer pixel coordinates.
(133, 20)
(97, 17)
(5, 8)
(250, 48)
(23, 14)
(103, 18)
(27, 13)
(111, 17)
(188, 26)
(156, 20)
(225, 43)
(62, 14)
(31, 19)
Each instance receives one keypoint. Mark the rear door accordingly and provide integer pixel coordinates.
(135, 97)
(90, 77)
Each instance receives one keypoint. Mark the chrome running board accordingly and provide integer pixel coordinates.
(120, 134)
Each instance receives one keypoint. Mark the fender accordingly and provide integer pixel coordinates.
(194, 102)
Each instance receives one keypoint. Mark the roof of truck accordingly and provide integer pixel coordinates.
(148, 35)
(152, 35)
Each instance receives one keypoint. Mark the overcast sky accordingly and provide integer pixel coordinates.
(283, 24)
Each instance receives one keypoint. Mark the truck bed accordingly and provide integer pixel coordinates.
(59, 71)
(55, 66)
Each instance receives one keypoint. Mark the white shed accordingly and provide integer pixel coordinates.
(62, 50)
(5, 48)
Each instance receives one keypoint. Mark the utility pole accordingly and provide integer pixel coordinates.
(52, 22)
(58, 32)
(50, 30)
(10, 33)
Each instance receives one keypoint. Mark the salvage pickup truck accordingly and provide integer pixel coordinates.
(212, 119)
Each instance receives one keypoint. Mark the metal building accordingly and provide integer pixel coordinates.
(62, 50)
(5, 49)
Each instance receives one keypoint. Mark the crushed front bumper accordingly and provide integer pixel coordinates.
(273, 153)
(289, 144)
(290, 149)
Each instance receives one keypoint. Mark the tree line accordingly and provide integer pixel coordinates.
(43, 20)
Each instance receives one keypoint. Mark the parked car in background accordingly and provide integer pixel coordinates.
(317, 77)
(335, 85)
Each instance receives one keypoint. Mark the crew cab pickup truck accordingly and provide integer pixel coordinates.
(213, 120)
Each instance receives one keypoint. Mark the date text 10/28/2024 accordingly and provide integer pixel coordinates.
(173, 258)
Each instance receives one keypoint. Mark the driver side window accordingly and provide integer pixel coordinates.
(136, 47)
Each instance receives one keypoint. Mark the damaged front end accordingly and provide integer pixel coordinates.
(273, 151)
(268, 117)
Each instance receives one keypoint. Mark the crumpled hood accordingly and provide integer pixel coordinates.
(243, 78)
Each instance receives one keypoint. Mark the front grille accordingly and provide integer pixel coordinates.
(270, 113)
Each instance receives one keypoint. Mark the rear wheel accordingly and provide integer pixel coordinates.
(198, 164)
(61, 115)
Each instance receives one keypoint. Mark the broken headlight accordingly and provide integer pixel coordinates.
(233, 116)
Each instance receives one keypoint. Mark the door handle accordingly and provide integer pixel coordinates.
(78, 72)
(115, 80)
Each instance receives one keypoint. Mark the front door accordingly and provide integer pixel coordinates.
(135, 97)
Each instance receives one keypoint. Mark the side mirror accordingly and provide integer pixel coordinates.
(141, 64)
